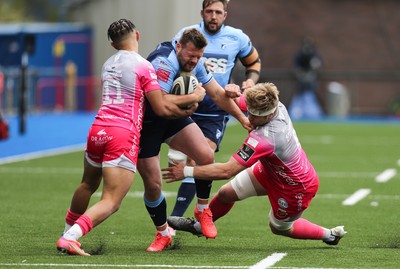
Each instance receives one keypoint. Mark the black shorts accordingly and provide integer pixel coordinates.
(156, 131)
(213, 127)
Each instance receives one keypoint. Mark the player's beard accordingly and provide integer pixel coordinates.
(186, 66)
(212, 28)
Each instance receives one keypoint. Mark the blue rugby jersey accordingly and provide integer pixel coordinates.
(221, 53)
(166, 65)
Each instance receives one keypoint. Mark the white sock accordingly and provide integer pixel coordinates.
(74, 233)
(201, 207)
(67, 227)
(328, 235)
(164, 232)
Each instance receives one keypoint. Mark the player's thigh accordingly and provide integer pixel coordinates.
(191, 141)
(116, 182)
(260, 190)
(245, 185)
(92, 174)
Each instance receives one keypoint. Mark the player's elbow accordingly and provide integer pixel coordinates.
(163, 112)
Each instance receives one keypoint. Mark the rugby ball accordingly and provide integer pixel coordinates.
(184, 83)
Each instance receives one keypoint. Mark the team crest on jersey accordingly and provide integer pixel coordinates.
(245, 152)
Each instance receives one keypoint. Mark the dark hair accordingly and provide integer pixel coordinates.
(119, 29)
(195, 36)
(206, 3)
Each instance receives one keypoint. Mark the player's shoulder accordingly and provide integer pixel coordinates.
(227, 29)
(232, 33)
(180, 32)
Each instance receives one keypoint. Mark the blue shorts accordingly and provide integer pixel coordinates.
(213, 127)
(156, 131)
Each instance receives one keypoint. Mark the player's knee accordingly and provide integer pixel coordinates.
(277, 230)
(279, 227)
(206, 158)
(91, 188)
(225, 195)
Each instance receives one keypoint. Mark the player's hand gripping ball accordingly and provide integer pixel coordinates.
(184, 83)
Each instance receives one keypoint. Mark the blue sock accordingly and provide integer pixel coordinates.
(184, 197)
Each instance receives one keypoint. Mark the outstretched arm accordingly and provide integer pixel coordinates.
(215, 171)
(218, 95)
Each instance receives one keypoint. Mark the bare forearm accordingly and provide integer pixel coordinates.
(215, 171)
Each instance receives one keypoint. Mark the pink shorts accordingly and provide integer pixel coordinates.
(112, 147)
(289, 200)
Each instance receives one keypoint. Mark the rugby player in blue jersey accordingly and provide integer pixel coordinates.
(225, 45)
(168, 59)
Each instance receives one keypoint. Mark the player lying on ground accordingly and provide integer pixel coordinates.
(270, 162)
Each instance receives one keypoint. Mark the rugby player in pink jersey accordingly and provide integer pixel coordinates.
(270, 162)
(113, 140)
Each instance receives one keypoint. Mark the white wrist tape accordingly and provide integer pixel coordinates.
(188, 171)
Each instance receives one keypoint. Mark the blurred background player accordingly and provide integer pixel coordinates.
(183, 134)
(221, 54)
(270, 162)
(113, 140)
(307, 62)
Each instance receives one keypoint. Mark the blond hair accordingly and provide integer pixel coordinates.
(262, 98)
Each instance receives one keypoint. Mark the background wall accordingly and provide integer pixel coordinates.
(156, 20)
(358, 40)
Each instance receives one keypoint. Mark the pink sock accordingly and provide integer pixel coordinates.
(303, 229)
(71, 217)
(218, 208)
(85, 223)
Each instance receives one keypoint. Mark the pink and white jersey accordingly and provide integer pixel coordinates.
(278, 149)
(126, 77)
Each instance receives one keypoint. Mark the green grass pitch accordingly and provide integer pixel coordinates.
(35, 194)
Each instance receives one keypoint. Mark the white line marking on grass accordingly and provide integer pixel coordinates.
(139, 194)
(40, 170)
(122, 265)
(42, 153)
(146, 265)
(344, 196)
(386, 175)
(356, 197)
(269, 261)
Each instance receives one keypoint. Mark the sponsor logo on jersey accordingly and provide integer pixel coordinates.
(216, 63)
(281, 214)
(163, 74)
(101, 132)
(245, 152)
(283, 203)
(252, 142)
(219, 134)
